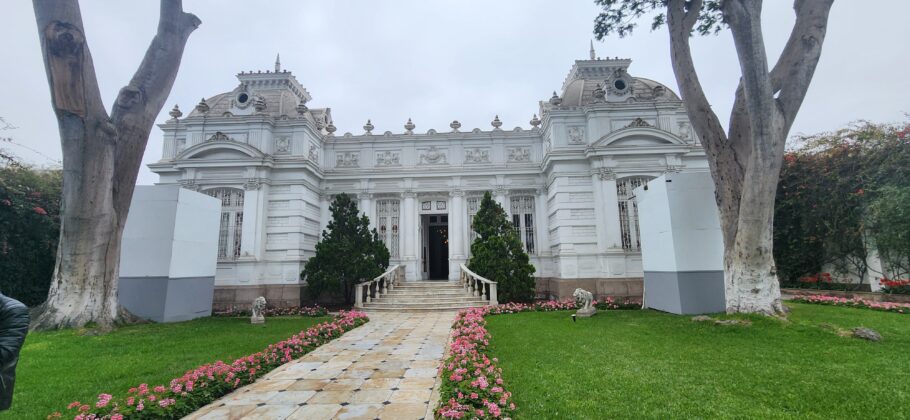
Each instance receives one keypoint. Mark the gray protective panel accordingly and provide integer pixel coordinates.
(163, 299)
(685, 292)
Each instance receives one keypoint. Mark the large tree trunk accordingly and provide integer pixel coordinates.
(745, 164)
(101, 157)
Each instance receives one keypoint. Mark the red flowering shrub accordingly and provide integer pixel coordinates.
(900, 286)
(206, 383)
(902, 308)
(472, 384)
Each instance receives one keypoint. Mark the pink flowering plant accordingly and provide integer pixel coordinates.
(236, 311)
(902, 308)
(206, 383)
(472, 383)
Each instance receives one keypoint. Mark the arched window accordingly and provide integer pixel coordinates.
(628, 211)
(387, 214)
(522, 207)
(231, 222)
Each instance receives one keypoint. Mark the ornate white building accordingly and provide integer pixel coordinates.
(566, 181)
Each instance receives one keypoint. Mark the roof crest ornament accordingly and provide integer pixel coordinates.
(593, 54)
(277, 63)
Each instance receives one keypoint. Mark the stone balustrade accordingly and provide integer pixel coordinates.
(378, 286)
(478, 285)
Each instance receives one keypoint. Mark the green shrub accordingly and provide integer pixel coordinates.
(29, 230)
(347, 254)
(497, 254)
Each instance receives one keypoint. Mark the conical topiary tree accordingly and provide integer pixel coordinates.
(497, 254)
(347, 254)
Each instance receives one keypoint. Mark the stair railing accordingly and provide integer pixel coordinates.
(478, 285)
(377, 287)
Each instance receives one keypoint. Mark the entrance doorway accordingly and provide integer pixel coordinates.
(435, 254)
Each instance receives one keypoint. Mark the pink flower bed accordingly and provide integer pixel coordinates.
(472, 384)
(903, 308)
(206, 383)
(271, 311)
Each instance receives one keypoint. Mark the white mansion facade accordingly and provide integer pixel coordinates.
(566, 181)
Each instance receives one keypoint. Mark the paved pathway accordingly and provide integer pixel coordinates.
(385, 369)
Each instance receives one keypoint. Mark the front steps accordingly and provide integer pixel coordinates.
(424, 296)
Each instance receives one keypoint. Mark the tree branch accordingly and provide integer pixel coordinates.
(796, 66)
(141, 100)
(727, 172)
(792, 59)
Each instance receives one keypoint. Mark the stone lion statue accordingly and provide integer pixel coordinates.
(258, 307)
(586, 300)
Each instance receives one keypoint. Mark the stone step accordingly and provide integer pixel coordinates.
(411, 305)
(412, 292)
(372, 307)
(433, 287)
(386, 299)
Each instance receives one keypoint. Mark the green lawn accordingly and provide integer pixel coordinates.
(648, 364)
(58, 367)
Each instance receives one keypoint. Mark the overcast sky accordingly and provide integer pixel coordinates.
(435, 61)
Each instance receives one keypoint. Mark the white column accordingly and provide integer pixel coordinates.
(542, 222)
(409, 235)
(366, 208)
(501, 195)
(600, 210)
(252, 232)
(611, 211)
(325, 201)
(457, 216)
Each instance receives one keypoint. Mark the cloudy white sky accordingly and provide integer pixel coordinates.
(435, 61)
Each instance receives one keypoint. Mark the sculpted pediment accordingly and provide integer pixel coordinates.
(640, 135)
(221, 150)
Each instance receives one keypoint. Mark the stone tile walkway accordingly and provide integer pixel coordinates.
(384, 369)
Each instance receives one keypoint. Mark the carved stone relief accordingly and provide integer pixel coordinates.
(347, 160)
(432, 156)
(314, 152)
(477, 155)
(387, 158)
(282, 145)
(519, 154)
(576, 135)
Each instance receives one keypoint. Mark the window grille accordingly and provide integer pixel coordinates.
(387, 217)
(229, 234)
(523, 220)
(628, 212)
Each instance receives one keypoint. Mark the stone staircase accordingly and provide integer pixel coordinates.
(424, 296)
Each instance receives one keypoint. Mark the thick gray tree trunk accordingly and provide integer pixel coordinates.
(746, 161)
(101, 156)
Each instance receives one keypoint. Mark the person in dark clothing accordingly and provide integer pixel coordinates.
(13, 328)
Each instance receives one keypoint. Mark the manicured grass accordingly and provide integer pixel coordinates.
(56, 368)
(648, 364)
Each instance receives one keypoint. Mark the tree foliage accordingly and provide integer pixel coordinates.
(348, 253)
(497, 254)
(890, 229)
(829, 183)
(620, 16)
(29, 230)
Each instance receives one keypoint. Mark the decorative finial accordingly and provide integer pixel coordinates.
(277, 63)
(409, 126)
(331, 128)
(593, 54)
(175, 113)
(301, 107)
(455, 125)
(496, 123)
(202, 106)
(555, 100)
(368, 127)
(535, 122)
